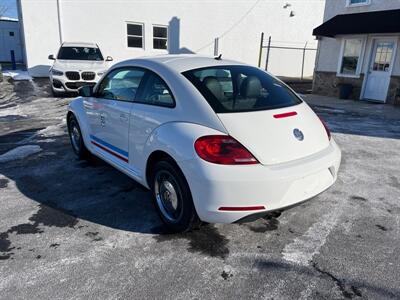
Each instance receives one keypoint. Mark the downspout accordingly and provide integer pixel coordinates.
(22, 32)
(59, 22)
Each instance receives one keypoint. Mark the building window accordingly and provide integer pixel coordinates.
(350, 58)
(135, 35)
(11, 33)
(358, 2)
(160, 37)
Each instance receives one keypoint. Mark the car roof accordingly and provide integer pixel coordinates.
(182, 62)
(79, 44)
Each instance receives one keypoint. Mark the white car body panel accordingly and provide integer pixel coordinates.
(289, 172)
(274, 187)
(271, 140)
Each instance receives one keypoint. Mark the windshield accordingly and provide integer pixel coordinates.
(241, 88)
(79, 53)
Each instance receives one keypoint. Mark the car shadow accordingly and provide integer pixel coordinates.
(69, 189)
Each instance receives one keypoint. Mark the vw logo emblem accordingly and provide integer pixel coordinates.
(298, 134)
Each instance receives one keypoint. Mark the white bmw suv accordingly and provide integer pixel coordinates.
(76, 65)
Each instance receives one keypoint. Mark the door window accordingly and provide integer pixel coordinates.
(383, 56)
(121, 84)
(155, 92)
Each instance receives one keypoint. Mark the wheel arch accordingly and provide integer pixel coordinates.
(175, 141)
(69, 114)
(76, 110)
(153, 158)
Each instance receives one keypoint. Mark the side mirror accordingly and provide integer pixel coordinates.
(109, 58)
(51, 56)
(86, 91)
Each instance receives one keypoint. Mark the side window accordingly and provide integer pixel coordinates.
(120, 84)
(156, 92)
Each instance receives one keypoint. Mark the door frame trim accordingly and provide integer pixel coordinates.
(374, 38)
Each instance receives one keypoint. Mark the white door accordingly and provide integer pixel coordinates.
(109, 113)
(380, 70)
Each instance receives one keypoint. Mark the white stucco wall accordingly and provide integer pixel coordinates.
(8, 43)
(193, 26)
(329, 48)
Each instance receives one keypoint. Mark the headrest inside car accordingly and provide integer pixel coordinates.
(214, 86)
(251, 87)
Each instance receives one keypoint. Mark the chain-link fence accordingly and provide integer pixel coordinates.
(287, 59)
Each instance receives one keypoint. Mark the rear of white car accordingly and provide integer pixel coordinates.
(76, 65)
(215, 140)
(277, 152)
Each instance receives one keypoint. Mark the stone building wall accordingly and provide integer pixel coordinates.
(327, 84)
(394, 90)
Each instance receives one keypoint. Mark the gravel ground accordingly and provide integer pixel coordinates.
(74, 229)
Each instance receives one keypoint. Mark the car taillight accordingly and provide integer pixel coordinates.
(224, 150)
(326, 128)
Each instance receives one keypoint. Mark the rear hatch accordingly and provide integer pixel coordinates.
(278, 135)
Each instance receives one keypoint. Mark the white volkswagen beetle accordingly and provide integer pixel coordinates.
(215, 140)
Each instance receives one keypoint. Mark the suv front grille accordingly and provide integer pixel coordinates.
(76, 85)
(88, 75)
(73, 75)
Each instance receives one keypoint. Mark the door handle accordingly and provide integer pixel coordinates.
(102, 120)
(123, 117)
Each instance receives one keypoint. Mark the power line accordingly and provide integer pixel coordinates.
(234, 25)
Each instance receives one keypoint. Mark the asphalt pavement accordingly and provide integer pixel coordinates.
(73, 229)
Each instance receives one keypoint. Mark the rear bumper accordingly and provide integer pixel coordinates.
(274, 187)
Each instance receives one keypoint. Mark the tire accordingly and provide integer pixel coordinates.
(57, 94)
(76, 139)
(172, 197)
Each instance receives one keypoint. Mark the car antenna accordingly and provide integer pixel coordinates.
(219, 57)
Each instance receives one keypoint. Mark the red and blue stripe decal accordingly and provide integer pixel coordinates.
(111, 149)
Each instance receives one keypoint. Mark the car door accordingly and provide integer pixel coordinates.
(110, 113)
(154, 105)
(380, 70)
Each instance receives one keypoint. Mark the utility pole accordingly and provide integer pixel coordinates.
(216, 51)
(261, 49)
(268, 50)
(302, 64)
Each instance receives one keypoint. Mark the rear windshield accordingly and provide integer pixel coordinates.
(80, 53)
(240, 89)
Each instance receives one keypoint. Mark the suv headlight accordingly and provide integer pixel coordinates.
(56, 72)
(100, 73)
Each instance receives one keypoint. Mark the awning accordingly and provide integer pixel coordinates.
(384, 21)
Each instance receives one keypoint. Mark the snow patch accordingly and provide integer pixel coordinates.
(17, 75)
(12, 111)
(19, 153)
(302, 250)
(52, 131)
